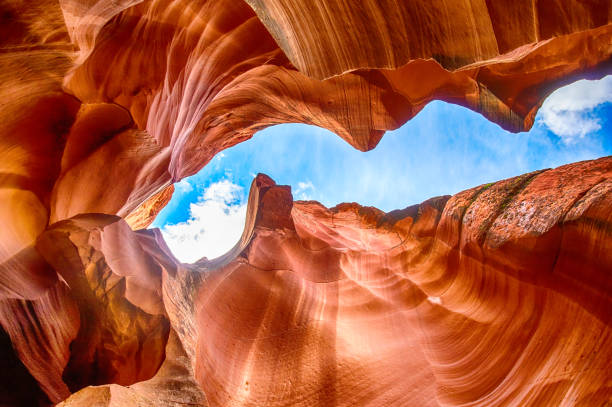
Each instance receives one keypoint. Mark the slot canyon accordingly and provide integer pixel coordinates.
(499, 295)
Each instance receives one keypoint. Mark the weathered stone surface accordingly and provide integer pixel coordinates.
(498, 295)
(324, 38)
(173, 385)
(470, 299)
(103, 321)
(162, 86)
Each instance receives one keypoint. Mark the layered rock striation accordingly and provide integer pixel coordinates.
(496, 296)
(499, 295)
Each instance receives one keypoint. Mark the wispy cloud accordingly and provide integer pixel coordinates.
(215, 224)
(303, 191)
(183, 186)
(569, 111)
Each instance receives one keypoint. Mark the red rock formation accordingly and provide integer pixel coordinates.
(103, 321)
(471, 299)
(497, 296)
(154, 61)
(145, 214)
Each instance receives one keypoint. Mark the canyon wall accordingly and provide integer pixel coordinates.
(499, 295)
(496, 296)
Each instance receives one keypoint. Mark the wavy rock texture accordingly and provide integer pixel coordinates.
(455, 34)
(496, 296)
(103, 321)
(474, 299)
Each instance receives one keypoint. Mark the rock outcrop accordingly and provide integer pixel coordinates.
(499, 295)
(496, 296)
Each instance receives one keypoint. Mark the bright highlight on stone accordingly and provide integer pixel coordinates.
(105, 105)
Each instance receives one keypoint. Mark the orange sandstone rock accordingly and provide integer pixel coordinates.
(498, 295)
(460, 300)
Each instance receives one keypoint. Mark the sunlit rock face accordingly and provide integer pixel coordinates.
(496, 296)
(499, 295)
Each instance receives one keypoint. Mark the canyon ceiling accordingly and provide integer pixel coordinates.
(497, 296)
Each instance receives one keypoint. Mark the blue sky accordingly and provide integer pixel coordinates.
(443, 150)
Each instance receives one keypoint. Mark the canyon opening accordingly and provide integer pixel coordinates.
(305, 203)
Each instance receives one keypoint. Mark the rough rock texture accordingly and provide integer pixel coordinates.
(496, 296)
(455, 34)
(473, 299)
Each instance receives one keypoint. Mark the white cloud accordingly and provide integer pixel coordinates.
(569, 111)
(303, 191)
(183, 186)
(214, 226)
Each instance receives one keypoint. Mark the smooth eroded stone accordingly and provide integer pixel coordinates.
(498, 295)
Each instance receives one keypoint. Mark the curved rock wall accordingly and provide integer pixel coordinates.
(471, 299)
(496, 296)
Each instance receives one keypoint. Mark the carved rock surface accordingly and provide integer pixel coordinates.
(471, 299)
(147, 92)
(498, 295)
(103, 321)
